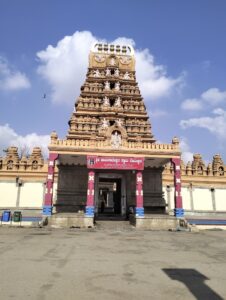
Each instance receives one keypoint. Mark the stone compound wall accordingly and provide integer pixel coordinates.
(198, 200)
(22, 184)
(203, 187)
(22, 180)
(27, 195)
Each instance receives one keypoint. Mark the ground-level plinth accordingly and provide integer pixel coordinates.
(70, 220)
(156, 222)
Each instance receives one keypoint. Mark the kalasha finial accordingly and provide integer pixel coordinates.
(175, 141)
(53, 136)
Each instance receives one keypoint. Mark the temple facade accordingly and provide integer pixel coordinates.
(109, 164)
(23, 186)
(109, 161)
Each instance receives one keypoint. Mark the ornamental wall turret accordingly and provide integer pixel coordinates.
(29, 167)
(198, 173)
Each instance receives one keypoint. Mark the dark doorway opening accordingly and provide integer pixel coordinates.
(111, 123)
(109, 196)
(112, 102)
(112, 85)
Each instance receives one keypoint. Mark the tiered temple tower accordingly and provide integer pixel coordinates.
(110, 107)
(110, 140)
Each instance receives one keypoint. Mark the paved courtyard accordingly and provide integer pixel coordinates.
(40, 263)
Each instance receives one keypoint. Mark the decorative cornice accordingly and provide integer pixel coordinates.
(91, 145)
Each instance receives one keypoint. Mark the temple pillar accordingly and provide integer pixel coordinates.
(90, 195)
(178, 211)
(48, 202)
(139, 195)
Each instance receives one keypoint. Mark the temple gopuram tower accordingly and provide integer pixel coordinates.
(110, 109)
(109, 163)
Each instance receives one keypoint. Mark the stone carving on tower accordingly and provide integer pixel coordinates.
(110, 108)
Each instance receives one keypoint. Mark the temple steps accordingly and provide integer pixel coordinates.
(113, 225)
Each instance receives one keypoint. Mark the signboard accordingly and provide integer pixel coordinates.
(115, 163)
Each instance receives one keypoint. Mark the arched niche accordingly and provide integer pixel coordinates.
(116, 136)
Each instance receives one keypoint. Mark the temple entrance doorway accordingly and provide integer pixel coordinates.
(109, 201)
(110, 198)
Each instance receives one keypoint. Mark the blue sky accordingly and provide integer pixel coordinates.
(181, 66)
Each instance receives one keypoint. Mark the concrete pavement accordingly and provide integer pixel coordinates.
(40, 263)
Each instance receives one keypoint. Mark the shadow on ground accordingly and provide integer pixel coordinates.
(194, 281)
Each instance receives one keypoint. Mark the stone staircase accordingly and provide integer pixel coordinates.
(113, 225)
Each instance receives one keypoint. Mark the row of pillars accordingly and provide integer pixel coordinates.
(47, 208)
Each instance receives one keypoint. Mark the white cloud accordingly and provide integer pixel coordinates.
(212, 96)
(11, 79)
(65, 65)
(187, 155)
(153, 80)
(157, 113)
(124, 41)
(216, 124)
(8, 137)
(219, 111)
(192, 104)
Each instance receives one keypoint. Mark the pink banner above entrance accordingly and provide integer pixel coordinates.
(115, 163)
